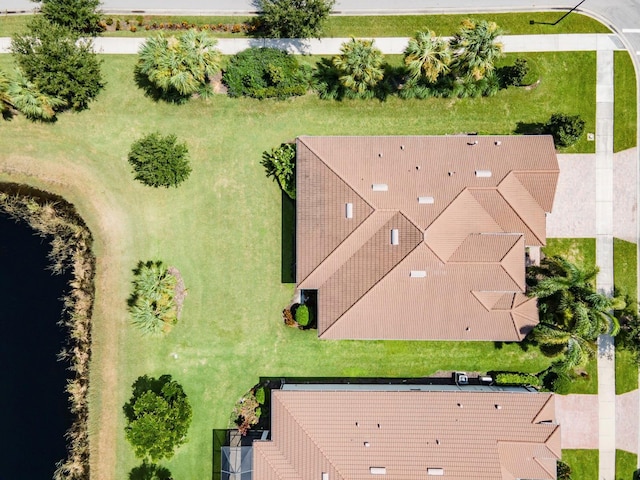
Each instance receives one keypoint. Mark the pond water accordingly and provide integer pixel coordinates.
(34, 413)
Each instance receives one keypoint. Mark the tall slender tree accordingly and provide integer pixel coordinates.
(475, 49)
(359, 66)
(81, 16)
(427, 56)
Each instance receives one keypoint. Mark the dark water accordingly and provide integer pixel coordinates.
(33, 405)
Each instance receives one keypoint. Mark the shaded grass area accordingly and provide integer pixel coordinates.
(625, 267)
(379, 26)
(583, 463)
(626, 465)
(223, 228)
(625, 104)
(582, 252)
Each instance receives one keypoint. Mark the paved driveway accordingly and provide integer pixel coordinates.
(575, 202)
(578, 419)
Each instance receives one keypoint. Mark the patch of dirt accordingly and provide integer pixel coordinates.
(217, 85)
(180, 291)
(532, 86)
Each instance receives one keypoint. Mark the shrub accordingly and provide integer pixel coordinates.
(109, 21)
(563, 470)
(514, 74)
(303, 316)
(246, 413)
(140, 20)
(133, 28)
(279, 163)
(260, 395)
(293, 18)
(118, 26)
(514, 378)
(160, 161)
(265, 73)
(565, 129)
(557, 380)
(158, 417)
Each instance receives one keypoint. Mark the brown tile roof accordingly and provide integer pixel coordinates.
(480, 435)
(463, 208)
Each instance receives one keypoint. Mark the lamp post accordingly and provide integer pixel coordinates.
(532, 22)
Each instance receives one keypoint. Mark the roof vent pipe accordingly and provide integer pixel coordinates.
(497, 143)
(483, 173)
(349, 210)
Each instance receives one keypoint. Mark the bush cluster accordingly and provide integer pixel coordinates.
(265, 73)
(514, 378)
(160, 161)
(565, 129)
(303, 316)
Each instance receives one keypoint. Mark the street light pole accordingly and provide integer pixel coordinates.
(532, 22)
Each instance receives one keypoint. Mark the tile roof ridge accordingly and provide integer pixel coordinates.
(508, 253)
(376, 219)
(295, 419)
(364, 294)
(512, 174)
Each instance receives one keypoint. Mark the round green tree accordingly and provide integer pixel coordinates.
(160, 161)
(158, 417)
(565, 129)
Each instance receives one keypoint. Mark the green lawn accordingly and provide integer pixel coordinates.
(626, 465)
(379, 26)
(625, 102)
(583, 463)
(223, 229)
(625, 267)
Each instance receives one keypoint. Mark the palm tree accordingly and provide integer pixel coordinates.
(5, 99)
(181, 64)
(29, 100)
(572, 312)
(360, 66)
(475, 49)
(428, 55)
(152, 305)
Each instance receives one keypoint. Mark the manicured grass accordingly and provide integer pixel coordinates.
(582, 252)
(626, 372)
(625, 102)
(511, 24)
(625, 267)
(223, 228)
(583, 463)
(626, 465)
(378, 26)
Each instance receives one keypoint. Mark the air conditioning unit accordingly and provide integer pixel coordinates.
(461, 378)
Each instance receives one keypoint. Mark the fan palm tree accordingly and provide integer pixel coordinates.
(152, 305)
(475, 49)
(5, 99)
(572, 312)
(428, 55)
(182, 64)
(30, 101)
(360, 66)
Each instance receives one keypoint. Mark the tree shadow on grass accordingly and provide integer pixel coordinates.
(150, 471)
(529, 128)
(288, 240)
(155, 93)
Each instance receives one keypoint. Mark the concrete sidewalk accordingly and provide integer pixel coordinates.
(388, 45)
